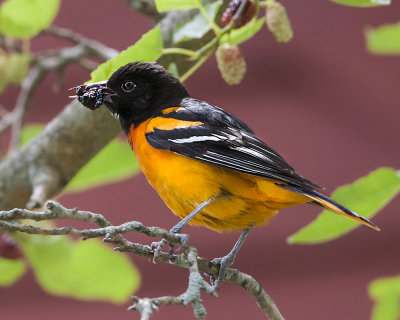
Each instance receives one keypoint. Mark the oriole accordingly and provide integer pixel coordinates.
(196, 154)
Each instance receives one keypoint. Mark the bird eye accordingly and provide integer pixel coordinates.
(128, 86)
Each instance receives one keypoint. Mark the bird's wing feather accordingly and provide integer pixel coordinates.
(218, 138)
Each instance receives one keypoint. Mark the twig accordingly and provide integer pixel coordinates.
(146, 306)
(57, 211)
(92, 47)
(254, 288)
(28, 87)
(43, 64)
(146, 7)
(188, 259)
(87, 64)
(6, 119)
(9, 44)
(45, 178)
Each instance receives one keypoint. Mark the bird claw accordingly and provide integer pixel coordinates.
(184, 239)
(218, 260)
(158, 245)
(215, 284)
(225, 263)
(175, 229)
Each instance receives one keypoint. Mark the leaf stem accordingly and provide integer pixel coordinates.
(197, 65)
(182, 51)
(204, 52)
(215, 27)
(208, 46)
(26, 46)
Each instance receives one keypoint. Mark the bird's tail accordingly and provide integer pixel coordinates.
(331, 205)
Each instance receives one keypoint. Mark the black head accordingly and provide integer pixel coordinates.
(135, 92)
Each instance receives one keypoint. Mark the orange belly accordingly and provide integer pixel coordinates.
(241, 200)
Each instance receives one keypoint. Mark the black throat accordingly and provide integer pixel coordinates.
(152, 104)
(150, 89)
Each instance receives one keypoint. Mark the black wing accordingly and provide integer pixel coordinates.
(221, 139)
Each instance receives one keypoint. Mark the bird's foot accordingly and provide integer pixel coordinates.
(158, 245)
(225, 263)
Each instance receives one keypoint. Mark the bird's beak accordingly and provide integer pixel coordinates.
(93, 95)
(87, 87)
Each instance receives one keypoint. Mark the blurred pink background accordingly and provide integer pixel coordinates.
(330, 108)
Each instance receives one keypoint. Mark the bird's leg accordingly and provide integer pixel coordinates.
(156, 246)
(227, 261)
(178, 227)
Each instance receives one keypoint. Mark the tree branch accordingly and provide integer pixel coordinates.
(42, 167)
(43, 64)
(38, 171)
(187, 259)
(28, 87)
(58, 149)
(146, 306)
(93, 48)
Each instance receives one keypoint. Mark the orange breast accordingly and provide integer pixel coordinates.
(184, 183)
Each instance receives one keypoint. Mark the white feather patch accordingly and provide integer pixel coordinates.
(196, 139)
(251, 152)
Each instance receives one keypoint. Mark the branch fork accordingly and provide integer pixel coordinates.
(188, 259)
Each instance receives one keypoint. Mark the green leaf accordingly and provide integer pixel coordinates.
(198, 26)
(167, 5)
(114, 163)
(365, 196)
(363, 3)
(26, 18)
(17, 69)
(148, 48)
(13, 68)
(237, 36)
(87, 270)
(29, 132)
(10, 271)
(173, 68)
(386, 294)
(384, 39)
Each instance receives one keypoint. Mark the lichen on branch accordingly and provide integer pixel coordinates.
(188, 259)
